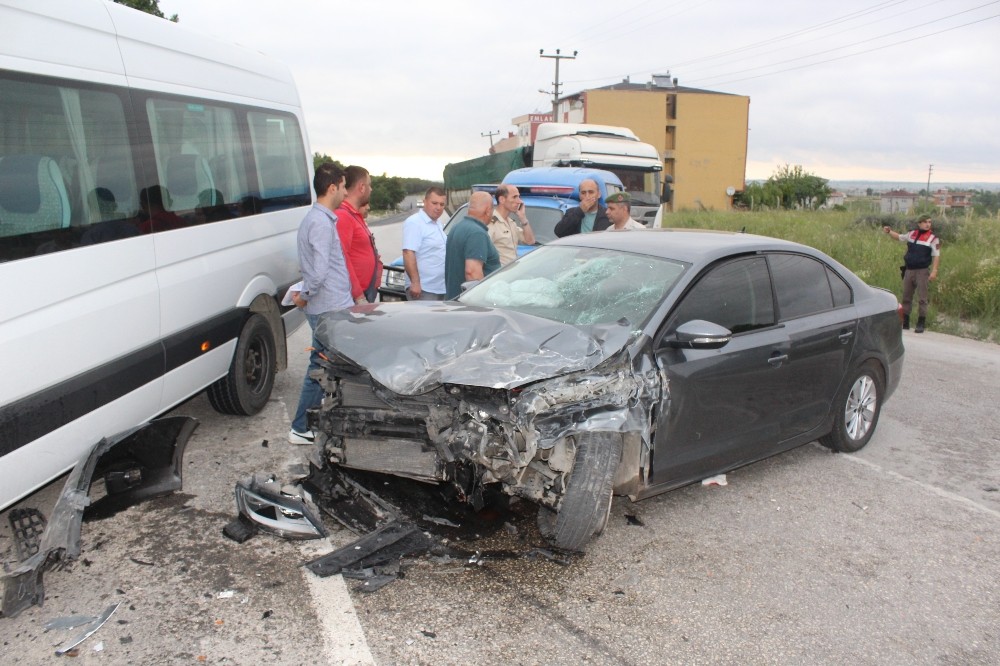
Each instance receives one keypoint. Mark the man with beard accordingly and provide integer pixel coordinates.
(363, 264)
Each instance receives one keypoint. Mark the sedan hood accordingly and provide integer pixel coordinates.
(411, 348)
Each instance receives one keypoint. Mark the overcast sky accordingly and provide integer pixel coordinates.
(849, 89)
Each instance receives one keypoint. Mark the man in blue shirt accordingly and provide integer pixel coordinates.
(326, 284)
(470, 254)
(424, 249)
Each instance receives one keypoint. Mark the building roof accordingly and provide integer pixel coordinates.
(652, 87)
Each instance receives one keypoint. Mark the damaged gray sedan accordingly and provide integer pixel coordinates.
(611, 363)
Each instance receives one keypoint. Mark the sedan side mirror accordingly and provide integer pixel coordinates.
(699, 334)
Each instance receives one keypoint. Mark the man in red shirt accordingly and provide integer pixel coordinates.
(363, 263)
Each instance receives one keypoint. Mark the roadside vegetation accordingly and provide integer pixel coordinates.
(965, 299)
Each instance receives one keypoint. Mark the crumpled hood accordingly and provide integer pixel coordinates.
(411, 348)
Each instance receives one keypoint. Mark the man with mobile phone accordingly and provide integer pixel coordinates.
(505, 232)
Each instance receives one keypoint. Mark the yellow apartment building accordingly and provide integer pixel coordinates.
(701, 134)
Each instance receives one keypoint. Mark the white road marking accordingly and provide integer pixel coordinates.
(342, 633)
(940, 492)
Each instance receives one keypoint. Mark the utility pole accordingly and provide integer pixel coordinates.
(930, 170)
(491, 135)
(555, 84)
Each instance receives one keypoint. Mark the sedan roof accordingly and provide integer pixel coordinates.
(696, 247)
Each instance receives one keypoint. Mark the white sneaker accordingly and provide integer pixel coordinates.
(295, 437)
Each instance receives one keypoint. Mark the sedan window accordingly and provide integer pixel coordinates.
(841, 291)
(801, 285)
(736, 295)
(583, 286)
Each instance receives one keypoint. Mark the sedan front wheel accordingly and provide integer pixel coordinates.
(583, 512)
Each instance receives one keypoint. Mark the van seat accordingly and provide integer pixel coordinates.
(32, 195)
(187, 176)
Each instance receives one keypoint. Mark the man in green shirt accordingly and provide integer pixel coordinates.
(469, 253)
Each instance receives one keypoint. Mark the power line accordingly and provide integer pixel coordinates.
(835, 21)
(863, 41)
(851, 55)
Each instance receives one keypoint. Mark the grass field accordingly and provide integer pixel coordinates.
(965, 299)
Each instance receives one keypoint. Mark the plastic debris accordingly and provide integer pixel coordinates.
(444, 522)
(717, 480)
(89, 630)
(225, 594)
(68, 622)
(28, 525)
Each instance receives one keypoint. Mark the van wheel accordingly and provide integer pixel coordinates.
(583, 512)
(246, 388)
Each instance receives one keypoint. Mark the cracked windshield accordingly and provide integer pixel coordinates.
(582, 286)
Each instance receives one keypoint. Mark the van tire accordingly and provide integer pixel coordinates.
(246, 388)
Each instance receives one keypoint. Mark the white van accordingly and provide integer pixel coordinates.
(151, 184)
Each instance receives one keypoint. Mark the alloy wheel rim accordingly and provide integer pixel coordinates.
(859, 413)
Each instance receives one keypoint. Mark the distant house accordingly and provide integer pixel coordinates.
(946, 199)
(835, 199)
(897, 201)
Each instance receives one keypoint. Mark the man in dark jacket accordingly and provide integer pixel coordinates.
(589, 216)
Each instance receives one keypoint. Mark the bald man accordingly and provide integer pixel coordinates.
(589, 216)
(469, 253)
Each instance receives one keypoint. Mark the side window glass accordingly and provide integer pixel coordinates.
(736, 295)
(65, 167)
(800, 284)
(841, 290)
(278, 151)
(199, 162)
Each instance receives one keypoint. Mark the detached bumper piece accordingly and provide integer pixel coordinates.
(374, 558)
(135, 465)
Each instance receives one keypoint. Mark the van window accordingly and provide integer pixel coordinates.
(277, 150)
(65, 166)
(199, 157)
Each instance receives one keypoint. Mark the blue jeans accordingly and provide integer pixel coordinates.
(312, 392)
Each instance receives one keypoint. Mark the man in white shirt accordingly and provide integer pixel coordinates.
(423, 249)
(620, 212)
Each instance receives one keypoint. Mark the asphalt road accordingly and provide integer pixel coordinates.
(885, 556)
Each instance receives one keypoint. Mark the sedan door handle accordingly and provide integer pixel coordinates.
(777, 359)
(845, 336)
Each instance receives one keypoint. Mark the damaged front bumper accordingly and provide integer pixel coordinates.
(471, 436)
(135, 465)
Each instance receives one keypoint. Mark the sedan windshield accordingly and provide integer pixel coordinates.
(578, 285)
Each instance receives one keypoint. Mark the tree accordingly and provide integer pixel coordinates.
(321, 158)
(985, 202)
(419, 185)
(387, 192)
(148, 6)
(799, 188)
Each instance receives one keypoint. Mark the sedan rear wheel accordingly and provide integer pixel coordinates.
(584, 509)
(857, 410)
